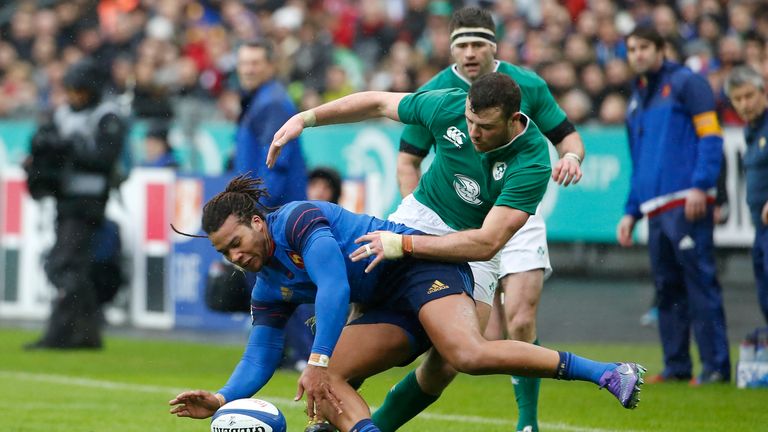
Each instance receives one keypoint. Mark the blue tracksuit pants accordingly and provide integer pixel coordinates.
(760, 265)
(689, 294)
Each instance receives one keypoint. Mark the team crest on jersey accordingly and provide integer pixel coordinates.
(498, 170)
(455, 136)
(296, 259)
(761, 143)
(467, 189)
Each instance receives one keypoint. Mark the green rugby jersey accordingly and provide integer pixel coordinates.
(537, 101)
(462, 184)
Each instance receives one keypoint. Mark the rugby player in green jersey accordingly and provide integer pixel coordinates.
(499, 164)
(523, 263)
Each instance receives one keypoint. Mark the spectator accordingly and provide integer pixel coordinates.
(324, 185)
(610, 45)
(746, 89)
(312, 58)
(336, 84)
(710, 29)
(150, 100)
(265, 107)
(592, 79)
(158, 152)
(739, 19)
(578, 51)
(617, 76)
(577, 105)
(665, 22)
(613, 109)
(673, 114)
(754, 50)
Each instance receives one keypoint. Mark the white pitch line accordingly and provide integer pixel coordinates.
(283, 402)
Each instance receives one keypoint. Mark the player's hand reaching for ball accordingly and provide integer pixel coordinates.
(314, 381)
(197, 404)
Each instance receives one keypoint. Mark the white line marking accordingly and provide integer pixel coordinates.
(284, 403)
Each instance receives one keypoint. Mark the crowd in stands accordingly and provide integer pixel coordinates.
(175, 59)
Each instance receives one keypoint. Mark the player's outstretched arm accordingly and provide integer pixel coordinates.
(480, 244)
(197, 404)
(349, 109)
(567, 170)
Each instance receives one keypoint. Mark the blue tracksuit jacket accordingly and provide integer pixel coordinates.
(675, 140)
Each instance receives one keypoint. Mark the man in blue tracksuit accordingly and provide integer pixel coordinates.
(265, 107)
(746, 89)
(676, 147)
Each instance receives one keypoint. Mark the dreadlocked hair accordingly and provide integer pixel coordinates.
(240, 198)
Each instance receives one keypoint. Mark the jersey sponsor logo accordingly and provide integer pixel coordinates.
(437, 286)
(498, 170)
(455, 136)
(467, 189)
(296, 259)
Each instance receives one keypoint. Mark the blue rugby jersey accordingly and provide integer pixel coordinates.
(309, 264)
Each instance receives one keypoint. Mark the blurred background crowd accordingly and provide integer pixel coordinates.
(175, 59)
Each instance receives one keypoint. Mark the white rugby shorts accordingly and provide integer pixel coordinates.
(526, 250)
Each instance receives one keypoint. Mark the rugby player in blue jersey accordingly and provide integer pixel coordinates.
(301, 253)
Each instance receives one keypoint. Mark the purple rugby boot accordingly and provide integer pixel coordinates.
(624, 382)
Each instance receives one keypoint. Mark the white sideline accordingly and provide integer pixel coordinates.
(283, 402)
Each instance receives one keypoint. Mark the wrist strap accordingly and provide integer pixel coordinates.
(574, 156)
(392, 244)
(320, 360)
(221, 399)
(309, 117)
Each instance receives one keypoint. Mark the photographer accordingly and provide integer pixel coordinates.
(74, 159)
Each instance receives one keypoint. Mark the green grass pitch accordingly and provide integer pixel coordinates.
(126, 388)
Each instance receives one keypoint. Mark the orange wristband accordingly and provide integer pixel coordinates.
(407, 245)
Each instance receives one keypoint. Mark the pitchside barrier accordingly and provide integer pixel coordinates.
(168, 271)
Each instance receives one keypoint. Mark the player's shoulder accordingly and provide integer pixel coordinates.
(444, 101)
(681, 74)
(446, 78)
(523, 76)
(294, 210)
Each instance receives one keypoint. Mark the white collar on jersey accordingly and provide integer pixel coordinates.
(455, 70)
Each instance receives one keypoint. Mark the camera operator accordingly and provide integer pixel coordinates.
(74, 159)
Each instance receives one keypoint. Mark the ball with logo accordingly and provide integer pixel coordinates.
(248, 415)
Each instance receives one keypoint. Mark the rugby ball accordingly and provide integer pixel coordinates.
(248, 415)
